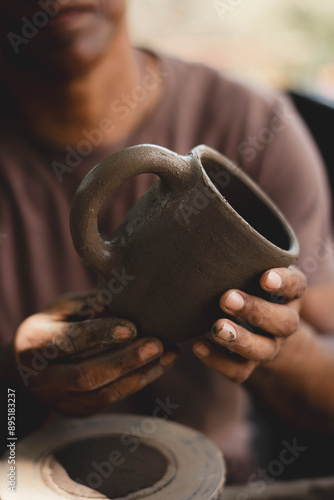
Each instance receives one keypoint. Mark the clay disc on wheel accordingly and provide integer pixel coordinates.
(116, 457)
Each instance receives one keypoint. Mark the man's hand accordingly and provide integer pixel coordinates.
(80, 367)
(233, 351)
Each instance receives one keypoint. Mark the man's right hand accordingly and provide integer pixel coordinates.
(81, 367)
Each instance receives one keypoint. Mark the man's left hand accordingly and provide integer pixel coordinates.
(233, 350)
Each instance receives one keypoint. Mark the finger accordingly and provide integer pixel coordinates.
(220, 360)
(100, 370)
(54, 339)
(276, 319)
(241, 341)
(290, 283)
(83, 404)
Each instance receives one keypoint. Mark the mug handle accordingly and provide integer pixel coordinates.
(97, 253)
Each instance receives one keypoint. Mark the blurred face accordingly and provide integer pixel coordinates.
(59, 37)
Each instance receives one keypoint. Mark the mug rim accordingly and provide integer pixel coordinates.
(203, 152)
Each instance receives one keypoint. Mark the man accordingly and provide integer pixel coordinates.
(75, 91)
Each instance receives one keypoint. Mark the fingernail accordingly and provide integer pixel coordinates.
(168, 358)
(122, 332)
(149, 350)
(203, 350)
(227, 333)
(234, 301)
(273, 280)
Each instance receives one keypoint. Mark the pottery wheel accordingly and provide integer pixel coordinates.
(116, 457)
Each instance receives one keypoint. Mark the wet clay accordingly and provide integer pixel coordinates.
(201, 230)
(102, 465)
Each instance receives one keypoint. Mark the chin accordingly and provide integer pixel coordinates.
(72, 57)
(69, 44)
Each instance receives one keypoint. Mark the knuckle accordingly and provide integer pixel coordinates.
(106, 396)
(276, 349)
(297, 282)
(30, 332)
(258, 311)
(270, 354)
(240, 375)
(255, 311)
(302, 286)
(291, 324)
(148, 376)
(80, 379)
(66, 341)
(249, 307)
(112, 395)
(31, 322)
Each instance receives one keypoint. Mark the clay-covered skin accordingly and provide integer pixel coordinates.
(89, 363)
(203, 229)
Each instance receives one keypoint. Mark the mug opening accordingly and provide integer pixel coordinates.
(248, 203)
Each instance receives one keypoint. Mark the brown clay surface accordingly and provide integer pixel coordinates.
(132, 470)
(204, 228)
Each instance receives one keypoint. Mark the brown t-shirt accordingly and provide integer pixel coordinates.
(258, 130)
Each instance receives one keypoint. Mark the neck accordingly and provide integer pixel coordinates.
(109, 97)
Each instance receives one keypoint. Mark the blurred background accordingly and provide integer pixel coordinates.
(279, 43)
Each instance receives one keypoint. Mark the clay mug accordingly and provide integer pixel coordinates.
(203, 228)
